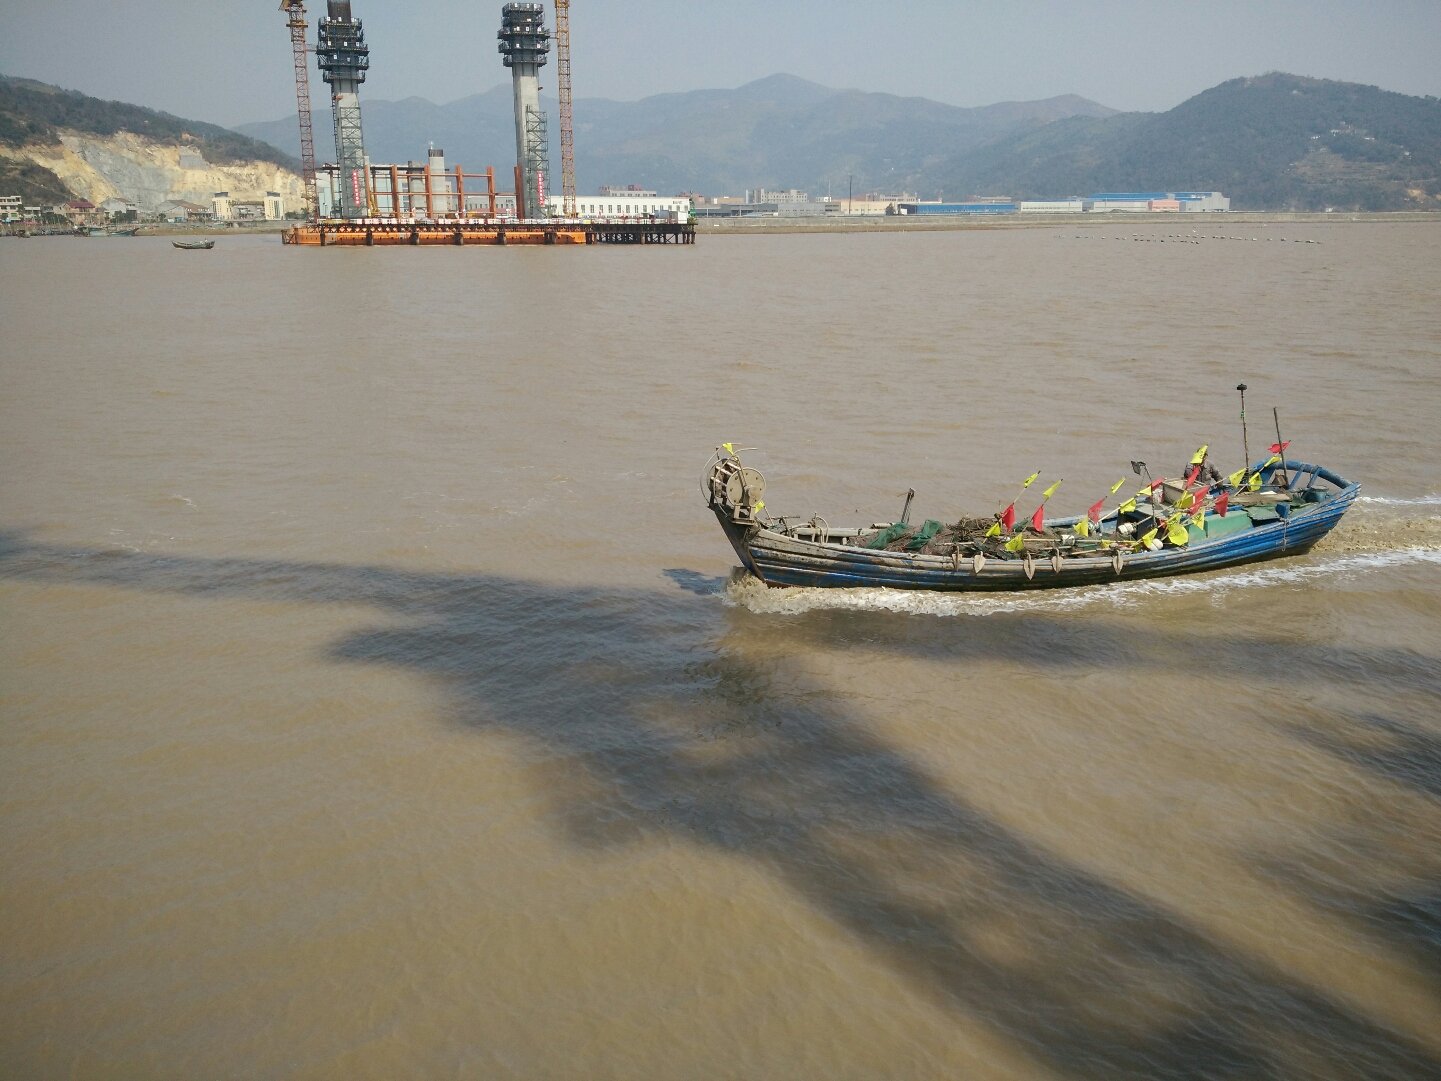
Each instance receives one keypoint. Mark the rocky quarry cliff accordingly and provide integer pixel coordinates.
(148, 173)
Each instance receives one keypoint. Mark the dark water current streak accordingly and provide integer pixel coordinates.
(1249, 883)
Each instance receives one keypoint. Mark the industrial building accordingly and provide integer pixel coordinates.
(629, 205)
(224, 208)
(1103, 202)
(356, 201)
(957, 208)
(1151, 201)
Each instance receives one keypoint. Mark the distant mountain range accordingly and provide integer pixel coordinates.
(1271, 142)
(777, 132)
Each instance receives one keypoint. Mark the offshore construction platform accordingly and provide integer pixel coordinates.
(430, 203)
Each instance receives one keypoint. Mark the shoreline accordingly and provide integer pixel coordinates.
(951, 223)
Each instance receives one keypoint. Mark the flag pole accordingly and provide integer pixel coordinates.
(1280, 448)
(1245, 443)
(1012, 504)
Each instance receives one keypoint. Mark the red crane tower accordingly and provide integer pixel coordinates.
(567, 124)
(295, 9)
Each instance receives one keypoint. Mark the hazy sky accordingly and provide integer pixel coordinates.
(230, 62)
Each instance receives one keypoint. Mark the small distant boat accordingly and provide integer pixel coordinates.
(193, 245)
(1282, 507)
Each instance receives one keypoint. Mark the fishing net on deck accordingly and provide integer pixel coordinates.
(930, 537)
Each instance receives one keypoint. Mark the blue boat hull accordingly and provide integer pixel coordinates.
(781, 560)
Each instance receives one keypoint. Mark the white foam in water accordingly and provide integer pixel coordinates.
(1387, 501)
(749, 593)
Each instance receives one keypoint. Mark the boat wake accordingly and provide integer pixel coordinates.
(745, 591)
(1388, 501)
(1385, 524)
(1383, 533)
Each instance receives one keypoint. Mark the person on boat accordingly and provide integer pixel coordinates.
(1205, 471)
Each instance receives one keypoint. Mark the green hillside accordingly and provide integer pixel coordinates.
(32, 112)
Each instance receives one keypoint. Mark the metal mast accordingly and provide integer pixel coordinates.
(567, 123)
(296, 10)
(344, 59)
(524, 43)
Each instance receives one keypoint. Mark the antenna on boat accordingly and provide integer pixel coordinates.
(1245, 443)
(1280, 447)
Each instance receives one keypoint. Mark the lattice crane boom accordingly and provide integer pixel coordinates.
(295, 10)
(567, 120)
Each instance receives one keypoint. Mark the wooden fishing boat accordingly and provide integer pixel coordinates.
(193, 245)
(1282, 508)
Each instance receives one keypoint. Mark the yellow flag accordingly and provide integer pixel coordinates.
(1051, 490)
(1275, 459)
(1186, 500)
(1016, 543)
(1117, 486)
(1147, 538)
(1126, 507)
(730, 447)
(1200, 455)
(1083, 528)
(1176, 532)
(1255, 482)
(995, 530)
(1144, 492)
(1234, 480)
(1199, 518)
(760, 505)
(1027, 482)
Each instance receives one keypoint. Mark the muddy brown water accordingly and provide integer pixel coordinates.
(377, 699)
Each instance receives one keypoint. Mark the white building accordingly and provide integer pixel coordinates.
(116, 207)
(1052, 206)
(270, 208)
(10, 208)
(629, 189)
(177, 211)
(790, 195)
(629, 204)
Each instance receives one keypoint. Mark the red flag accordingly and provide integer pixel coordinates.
(1277, 448)
(1157, 483)
(1036, 518)
(1008, 517)
(1201, 496)
(1193, 474)
(1094, 514)
(1221, 501)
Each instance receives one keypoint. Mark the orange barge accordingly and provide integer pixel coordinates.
(364, 233)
